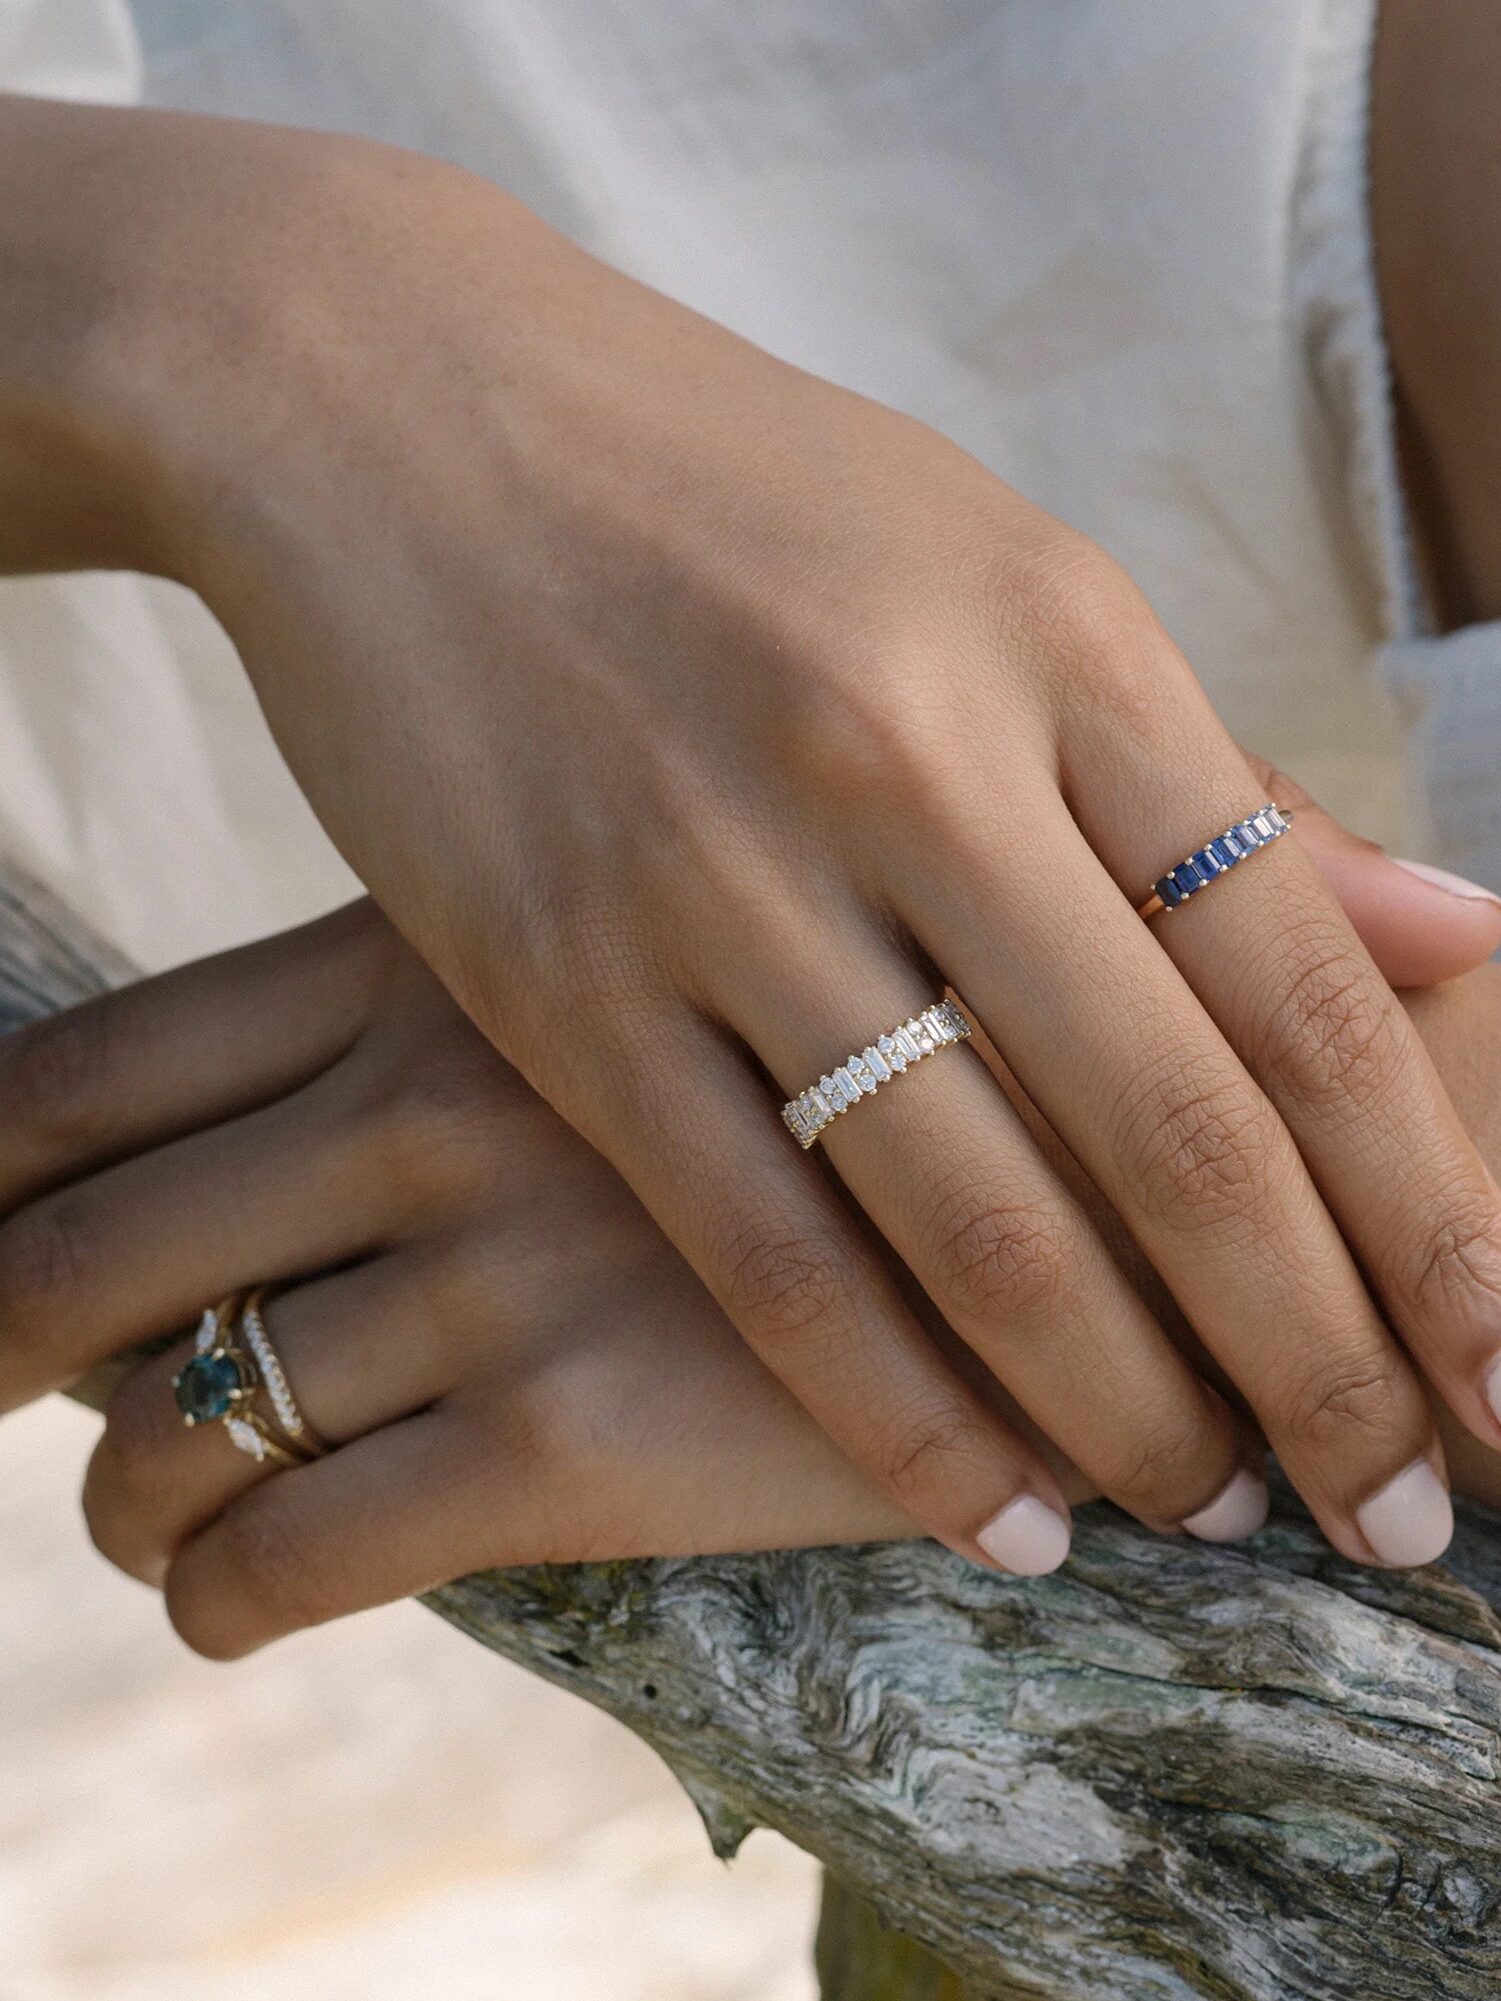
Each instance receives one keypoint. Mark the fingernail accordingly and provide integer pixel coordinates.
(1238, 1510)
(1410, 1520)
(1027, 1537)
(1454, 885)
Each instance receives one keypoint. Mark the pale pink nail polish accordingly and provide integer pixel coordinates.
(1410, 1520)
(1238, 1510)
(1027, 1537)
(1453, 885)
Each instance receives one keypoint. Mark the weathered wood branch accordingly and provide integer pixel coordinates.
(1170, 1771)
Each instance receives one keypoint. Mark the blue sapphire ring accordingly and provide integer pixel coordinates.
(219, 1383)
(1215, 859)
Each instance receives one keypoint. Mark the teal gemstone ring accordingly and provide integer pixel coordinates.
(1216, 858)
(218, 1385)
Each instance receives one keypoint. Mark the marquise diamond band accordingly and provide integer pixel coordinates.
(274, 1377)
(1216, 858)
(863, 1075)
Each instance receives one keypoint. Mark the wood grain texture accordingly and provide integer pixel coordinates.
(1169, 1773)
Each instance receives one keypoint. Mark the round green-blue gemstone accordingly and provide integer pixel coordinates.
(206, 1388)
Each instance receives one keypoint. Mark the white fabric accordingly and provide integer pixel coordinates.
(1116, 251)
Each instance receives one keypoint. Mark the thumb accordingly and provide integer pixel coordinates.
(1420, 924)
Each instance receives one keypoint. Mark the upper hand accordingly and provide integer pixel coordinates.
(697, 721)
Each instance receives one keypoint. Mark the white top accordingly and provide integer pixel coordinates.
(1117, 252)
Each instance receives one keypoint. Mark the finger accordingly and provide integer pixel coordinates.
(1421, 926)
(942, 1165)
(701, 1143)
(1184, 1145)
(1273, 958)
(188, 1049)
(454, 1490)
(360, 1349)
(151, 1481)
(138, 1249)
(389, 1516)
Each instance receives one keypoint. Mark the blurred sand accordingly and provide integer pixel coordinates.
(379, 1811)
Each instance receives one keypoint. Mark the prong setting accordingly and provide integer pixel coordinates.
(1216, 858)
(863, 1075)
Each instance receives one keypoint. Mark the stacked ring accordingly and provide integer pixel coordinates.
(219, 1383)
(274, 1377)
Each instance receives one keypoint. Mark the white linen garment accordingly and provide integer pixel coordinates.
(1119, 252)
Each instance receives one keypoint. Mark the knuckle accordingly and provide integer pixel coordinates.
(1460, 1260)
(45, 1258)
(784, 1282)
(926, 1452)
(1001, 1261)
(1362, 1394)
(1335, 1034)
(265, 1559)
(53, 1074)
(1196, 1143)
(1093, 628)
(141, 1429)
(1063, 587)
(1151, 1465)
(873, 729)
(434, 1132)
(125, 1486)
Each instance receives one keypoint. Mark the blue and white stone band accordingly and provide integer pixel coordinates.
(863, 1075)
(1216, 858)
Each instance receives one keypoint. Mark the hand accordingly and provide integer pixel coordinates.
(504, 1382)
(512, 1363)
(696, 720)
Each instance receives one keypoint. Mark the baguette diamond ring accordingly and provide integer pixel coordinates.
(863, 1075)
(1215, 859)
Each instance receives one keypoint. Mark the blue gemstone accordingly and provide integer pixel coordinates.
(1206, 864)
(1223, 853)
(1169, 891)
(1248, 837)
(1187, 878)
(206, 1388)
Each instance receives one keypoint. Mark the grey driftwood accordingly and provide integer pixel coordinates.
(1170, 1771)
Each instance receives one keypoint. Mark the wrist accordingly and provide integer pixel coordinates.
(147, 284)
(70, 459)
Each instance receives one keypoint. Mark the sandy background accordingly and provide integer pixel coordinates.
(380, 1811)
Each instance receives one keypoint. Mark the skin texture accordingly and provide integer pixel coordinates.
(693, 719)
(317, 1104)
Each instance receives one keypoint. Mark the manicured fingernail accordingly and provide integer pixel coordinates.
(1409, 1520)
(1027, 1537)
(1454, 885)
(1238, 1510)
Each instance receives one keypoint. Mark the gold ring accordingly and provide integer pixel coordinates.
(274, 1378)
(218, 1384)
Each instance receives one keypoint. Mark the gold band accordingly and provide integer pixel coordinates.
(289, 1416)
